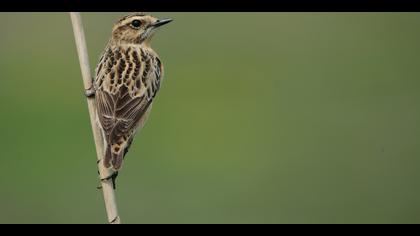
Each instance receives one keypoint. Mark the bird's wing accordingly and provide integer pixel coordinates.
(119, 115)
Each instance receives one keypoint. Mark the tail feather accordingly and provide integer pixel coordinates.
(114, 160)
(108, 157)
(113, 157)
(117, 159)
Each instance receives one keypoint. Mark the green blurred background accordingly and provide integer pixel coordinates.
(262, 118)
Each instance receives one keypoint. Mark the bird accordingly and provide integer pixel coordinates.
(127, 79)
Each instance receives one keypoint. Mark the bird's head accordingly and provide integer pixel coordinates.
(136, 28)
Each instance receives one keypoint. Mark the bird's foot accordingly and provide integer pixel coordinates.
(90, 92)
(113, 177)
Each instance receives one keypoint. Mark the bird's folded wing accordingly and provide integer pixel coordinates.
(119, 113)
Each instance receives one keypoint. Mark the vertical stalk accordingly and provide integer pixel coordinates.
(107, 186)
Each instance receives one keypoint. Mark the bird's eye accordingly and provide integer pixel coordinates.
(136, 23)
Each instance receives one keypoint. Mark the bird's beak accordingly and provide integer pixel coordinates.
(161, 22)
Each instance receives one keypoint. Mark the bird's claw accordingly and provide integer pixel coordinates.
(113, 177)
(90, 92)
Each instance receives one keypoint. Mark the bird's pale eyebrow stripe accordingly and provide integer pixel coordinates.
(129, 16)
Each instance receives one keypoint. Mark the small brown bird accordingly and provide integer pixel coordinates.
(128, 77)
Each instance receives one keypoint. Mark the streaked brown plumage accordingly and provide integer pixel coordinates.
(128, 78)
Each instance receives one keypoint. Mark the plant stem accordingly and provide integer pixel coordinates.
(107, 186)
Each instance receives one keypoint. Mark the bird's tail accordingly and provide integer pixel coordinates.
(113, 157)
(108, 162)
(117, 159)
(108, 156)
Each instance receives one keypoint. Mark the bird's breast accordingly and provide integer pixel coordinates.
(134, 67)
